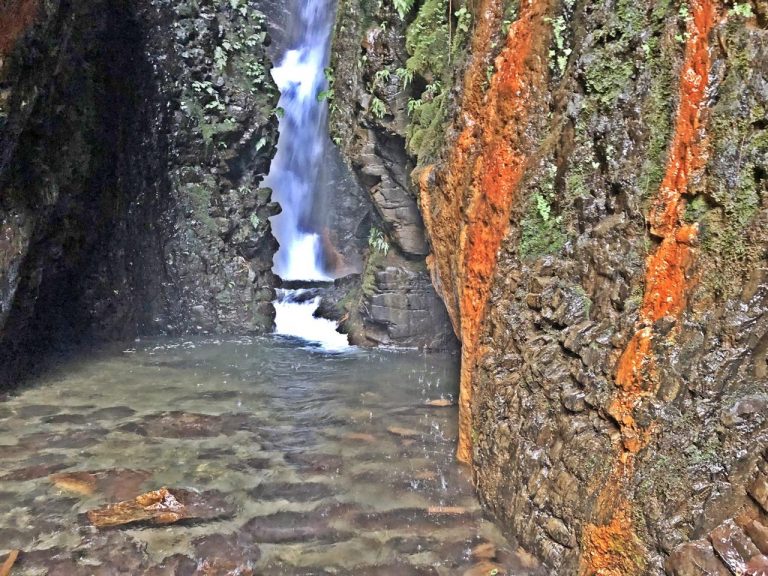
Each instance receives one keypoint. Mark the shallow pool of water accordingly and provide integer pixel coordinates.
(320, 463)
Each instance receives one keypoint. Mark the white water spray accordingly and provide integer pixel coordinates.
(294, 177)
(303, 145)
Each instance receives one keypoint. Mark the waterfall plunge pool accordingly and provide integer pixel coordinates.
(325, 463)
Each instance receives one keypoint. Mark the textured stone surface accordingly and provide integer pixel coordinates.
(695, 559)
(129, 196)
(395, 303)
(594, 196)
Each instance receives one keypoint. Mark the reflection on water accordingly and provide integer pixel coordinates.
(328, 464)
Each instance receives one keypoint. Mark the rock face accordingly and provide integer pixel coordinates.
(134, 136)
(394, 303)
(592, 180)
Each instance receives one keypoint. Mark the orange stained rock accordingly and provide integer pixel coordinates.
(16, 16)
(467, 210)
(7, 566)
(611, 548)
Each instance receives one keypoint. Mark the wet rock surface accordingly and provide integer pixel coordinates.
(549, 144)
(393, 303)
(130, 160)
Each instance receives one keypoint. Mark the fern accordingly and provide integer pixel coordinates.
(403, 7)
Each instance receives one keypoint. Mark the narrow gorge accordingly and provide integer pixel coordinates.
(384, 287)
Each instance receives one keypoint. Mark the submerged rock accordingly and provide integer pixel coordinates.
(112, 484)
(292, 491)
(226, 555)
(177, 424)
(163, 506)
(285, 527)
(32, 472)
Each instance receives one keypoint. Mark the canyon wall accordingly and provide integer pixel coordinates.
(133, 136)
(393, 302)
(592, 177)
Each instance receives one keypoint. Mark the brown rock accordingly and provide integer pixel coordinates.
(457, 510)
(759, 491)
(440, 403)
(79, 482)
(733, 546)
(164, 506)
(7, 566)
(757, 566)
(484, 551)
(173, 566)
(758, 532)
(486, 569)
(695, 559)
(112, 484)
(403, 432)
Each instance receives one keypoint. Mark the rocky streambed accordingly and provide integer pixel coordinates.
(242, 456)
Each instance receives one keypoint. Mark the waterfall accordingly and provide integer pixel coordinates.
(304, 146)
(296, 173)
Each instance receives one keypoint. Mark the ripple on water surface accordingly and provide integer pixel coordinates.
(317, 464)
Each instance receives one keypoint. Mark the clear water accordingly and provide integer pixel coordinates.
(329, 463)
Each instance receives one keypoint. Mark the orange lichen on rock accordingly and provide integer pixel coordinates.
(467, 206)
(15, 17)
(666, 284)
(611, 548)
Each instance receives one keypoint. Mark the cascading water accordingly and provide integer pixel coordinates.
(296, 169)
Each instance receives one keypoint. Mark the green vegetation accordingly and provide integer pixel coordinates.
(403, 7)
(236, 59)
(377, 242)
(541, 232)
(559, 54)
(378, 108)
(612, 66)
(744, 10)
(737, 176)
(329, 93)
(200, 200)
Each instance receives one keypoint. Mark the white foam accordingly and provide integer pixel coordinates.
(296, 319)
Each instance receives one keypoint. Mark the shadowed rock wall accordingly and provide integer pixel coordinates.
(393, 303)
(134, 136)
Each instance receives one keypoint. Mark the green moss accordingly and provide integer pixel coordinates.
(696, 209)
(737, 176)
(199, 196)
(542, 232)
(372, 265)
(426, 131)
(611, 68)
(658, 115)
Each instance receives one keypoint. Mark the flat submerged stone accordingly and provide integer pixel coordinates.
(163, 506)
